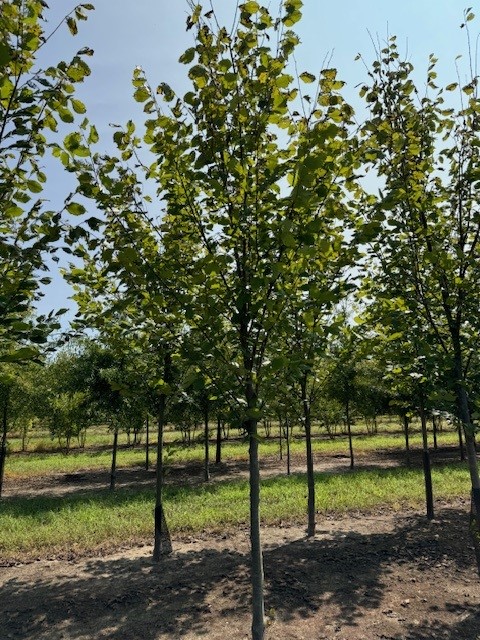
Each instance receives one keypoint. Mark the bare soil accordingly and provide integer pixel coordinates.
(377, 575)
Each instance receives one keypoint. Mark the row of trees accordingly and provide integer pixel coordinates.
(85, 385)
(260, 230)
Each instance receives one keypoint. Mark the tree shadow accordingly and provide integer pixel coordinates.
(122, 599)
(350, 572)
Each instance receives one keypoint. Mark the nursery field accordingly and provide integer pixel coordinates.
(377, 568)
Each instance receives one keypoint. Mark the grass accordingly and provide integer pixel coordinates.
(36, 464)
(38, 527)
(39, 464)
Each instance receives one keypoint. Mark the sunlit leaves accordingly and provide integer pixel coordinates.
(32, 102)
(250, 7)
(188, 56)
(307, 77)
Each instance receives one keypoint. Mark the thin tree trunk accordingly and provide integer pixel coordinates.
(163, 543)
(113, 469)
(218, 451)
(3, 445)
(310, 474)
(280, 427)
(427, 471)
(349, 429)
(460, 441)
(258, 604)
(407, 437)
(258, 607)
(147, 443)
(435, 431)
(206, 417)
(464, 417)
(287, 438)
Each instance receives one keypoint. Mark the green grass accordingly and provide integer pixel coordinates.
(39, 464)
(35, 464)
(37, 527)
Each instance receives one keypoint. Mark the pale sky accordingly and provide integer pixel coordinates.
(152, 34)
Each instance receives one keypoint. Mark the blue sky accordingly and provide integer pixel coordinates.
(152, 34)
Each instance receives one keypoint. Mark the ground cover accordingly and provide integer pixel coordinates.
(378, 575)
(89, 518)
(22, 465)
(76, 559)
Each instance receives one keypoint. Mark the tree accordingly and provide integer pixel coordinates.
(342, 375)
(32, 102)
(242, 177)
(426, 221)
(19, 404)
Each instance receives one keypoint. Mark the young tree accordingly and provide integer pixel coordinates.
(243, 177)
(426, 219)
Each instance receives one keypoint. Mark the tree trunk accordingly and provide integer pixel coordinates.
(206, 418)
(349, 429)
(427, 472)
(3, 445)
(464, 417)
(280, 428)
(460, 441)
(435, 431)
(310, 473)
(258, 607)
(407, 438)
(163, 543)
(147, 443)
(218, 451)
(113, 469)
(287, 439)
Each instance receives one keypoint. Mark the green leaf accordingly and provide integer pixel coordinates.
(72, 25)
(5, 54)
(292, 18)
(13, 212)
(141, 94)
(127, 255)
(34, 186)
(75, 208)
(188, 56)
(78, 106)
(65, 114)
(250, 7)
(307, 77)
(24, 353)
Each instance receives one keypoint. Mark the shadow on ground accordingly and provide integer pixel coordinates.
(341, 575)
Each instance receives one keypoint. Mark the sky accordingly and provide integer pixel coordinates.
(152, 34)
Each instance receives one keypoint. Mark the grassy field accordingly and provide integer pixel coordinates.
(36, 464)
(88, 520)
(40, 441)
(39, 527)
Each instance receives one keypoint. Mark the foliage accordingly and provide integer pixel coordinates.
(32, 102)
